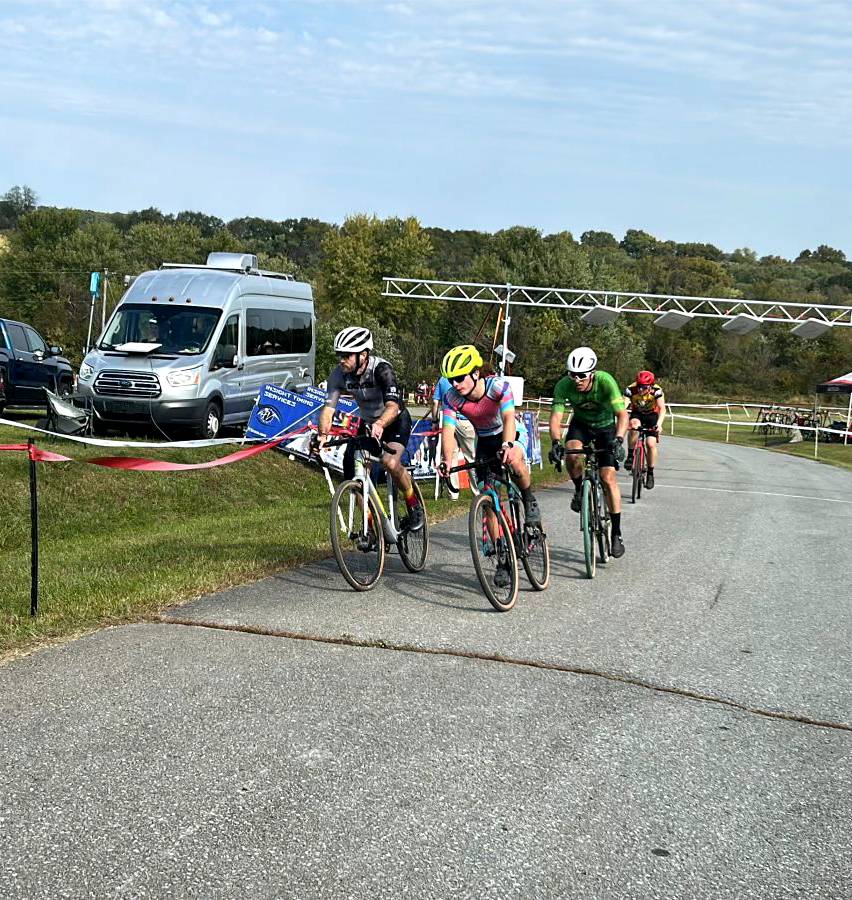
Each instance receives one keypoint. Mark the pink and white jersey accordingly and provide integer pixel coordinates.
(485, 414)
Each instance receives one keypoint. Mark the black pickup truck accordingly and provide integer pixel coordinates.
(28, 365)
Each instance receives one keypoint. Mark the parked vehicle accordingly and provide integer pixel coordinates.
(189, 346)
(28, 365)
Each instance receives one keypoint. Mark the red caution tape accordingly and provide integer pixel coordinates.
(37, 454)
(138, 464)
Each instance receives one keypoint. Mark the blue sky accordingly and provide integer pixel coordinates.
(728, 122)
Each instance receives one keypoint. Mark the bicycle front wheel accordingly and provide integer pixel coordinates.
(493, 552)
(413, 546)
(602, 524)
(359, 551)
(638, 472)
(533, 551)
(587, 517)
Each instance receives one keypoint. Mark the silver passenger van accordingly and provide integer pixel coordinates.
(189, 346)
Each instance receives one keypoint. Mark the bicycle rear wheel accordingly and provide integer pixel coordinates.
(360, 552)
(413, 546)
(496, 563)
(586, 526)
(533, 551)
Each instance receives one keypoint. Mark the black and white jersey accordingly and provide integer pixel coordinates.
(372, 389)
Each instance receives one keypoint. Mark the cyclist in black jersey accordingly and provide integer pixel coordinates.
(372, 382)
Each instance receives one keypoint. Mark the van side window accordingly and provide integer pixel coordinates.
(228, 340)
(260, 332)
(278, 331)
(301, 333)
(293, 331)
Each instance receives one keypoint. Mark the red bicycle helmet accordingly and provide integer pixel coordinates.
(645, 377)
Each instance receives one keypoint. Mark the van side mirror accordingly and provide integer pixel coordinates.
(55, 350)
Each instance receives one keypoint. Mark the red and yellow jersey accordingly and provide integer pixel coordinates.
(643, 397)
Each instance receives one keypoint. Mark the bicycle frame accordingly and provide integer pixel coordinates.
(363, 461)
(490, 485)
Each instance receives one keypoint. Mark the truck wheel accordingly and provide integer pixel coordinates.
(211, 422)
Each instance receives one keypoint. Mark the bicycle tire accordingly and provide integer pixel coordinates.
(586, 525)
(413, 546)
(533, 550)
(361, 566)
(487, 556)
(638, 472)
(602, 524)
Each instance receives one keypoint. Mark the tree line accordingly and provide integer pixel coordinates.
(46, 255)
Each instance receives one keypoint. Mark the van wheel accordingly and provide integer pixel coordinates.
(211, 423)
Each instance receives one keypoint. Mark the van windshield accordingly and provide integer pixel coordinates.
(180, 330)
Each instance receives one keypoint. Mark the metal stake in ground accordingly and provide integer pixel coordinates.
(33, 530)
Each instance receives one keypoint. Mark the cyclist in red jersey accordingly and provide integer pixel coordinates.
(646, 405)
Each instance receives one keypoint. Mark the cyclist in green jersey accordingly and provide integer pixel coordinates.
(600, 418)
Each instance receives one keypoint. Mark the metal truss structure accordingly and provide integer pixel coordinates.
(600, 307)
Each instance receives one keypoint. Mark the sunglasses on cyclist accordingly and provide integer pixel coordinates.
(580, 376)
(342, 356)
(458, 379)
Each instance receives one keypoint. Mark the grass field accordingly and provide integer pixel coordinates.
(745, 434)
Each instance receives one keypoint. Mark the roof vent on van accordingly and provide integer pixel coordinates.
(239, 262)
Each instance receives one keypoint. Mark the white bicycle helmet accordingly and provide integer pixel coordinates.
(353, 340)
(582, 360)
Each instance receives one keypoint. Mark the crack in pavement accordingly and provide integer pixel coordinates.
(378, 644)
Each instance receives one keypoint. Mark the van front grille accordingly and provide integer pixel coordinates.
(127, 384)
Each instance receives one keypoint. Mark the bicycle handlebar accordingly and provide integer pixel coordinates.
(363, 439)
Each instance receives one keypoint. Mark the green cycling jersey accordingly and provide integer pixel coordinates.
(596, 407)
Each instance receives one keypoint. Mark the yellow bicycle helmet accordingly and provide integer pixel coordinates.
(460, 360)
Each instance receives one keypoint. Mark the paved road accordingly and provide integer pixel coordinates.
(347, 759)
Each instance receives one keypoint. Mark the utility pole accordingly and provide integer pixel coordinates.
(104, 304)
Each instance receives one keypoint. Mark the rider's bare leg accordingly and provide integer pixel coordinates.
(652, 451)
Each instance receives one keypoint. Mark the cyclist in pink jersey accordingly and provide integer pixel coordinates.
(488, 404)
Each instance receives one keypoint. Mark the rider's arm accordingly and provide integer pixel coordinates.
(622, 422)
(448, 436)
(507, 413)
(557, 412)
(325, 417)
(619, 407)
(661, 411)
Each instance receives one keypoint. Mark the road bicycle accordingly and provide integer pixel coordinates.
(640, 461)
(363, 530)
(500, 535)
(594, 512)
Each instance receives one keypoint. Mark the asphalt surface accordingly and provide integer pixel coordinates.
(680, 726)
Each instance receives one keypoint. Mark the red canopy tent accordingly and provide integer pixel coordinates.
(840, 385)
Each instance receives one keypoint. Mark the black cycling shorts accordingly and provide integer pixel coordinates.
(487, 447)
(646, 419)
(398, 432)
(600, 438)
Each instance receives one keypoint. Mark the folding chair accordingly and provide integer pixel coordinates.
(65, 418)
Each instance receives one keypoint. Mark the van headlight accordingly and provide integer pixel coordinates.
(184, 377)
(86, 372)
